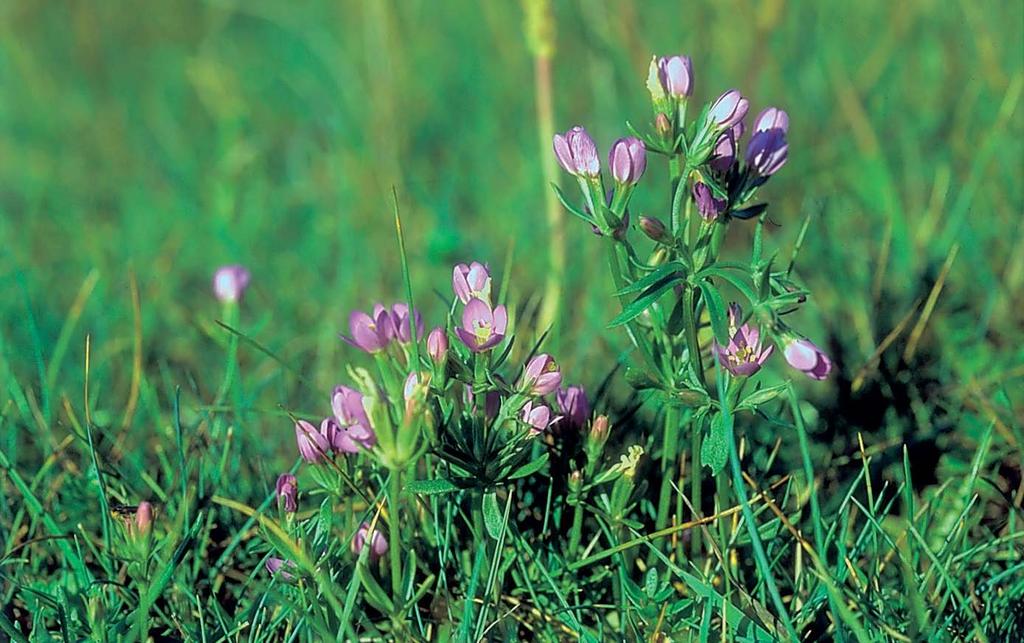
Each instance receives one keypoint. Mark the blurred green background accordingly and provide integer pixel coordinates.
(163, 139)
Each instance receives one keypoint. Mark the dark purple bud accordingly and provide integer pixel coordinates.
(676, 75)
(654, 229)
(628, 160)
(400, 321)
(230, 282)
(574, 405)
(287, 490)
(724, 154)
(709, 207)
(771, 118)
(767, 152)
(806, 357)
(577, 153)
(729, 109)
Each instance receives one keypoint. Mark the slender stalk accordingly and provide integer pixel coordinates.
(690, 326)
(696, 486)
(395, 538)
(577, 529)
(231, 361)
(669, 464)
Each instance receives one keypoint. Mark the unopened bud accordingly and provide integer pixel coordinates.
(599, 431)
(658, 257)
(575, 481)
(144, 518)
(654, 229)
(662, 125)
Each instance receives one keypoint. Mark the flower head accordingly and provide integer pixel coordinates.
(628, 160)
(538, 417)
(724, 153)
(354, 429)
(437, 345)
(805, 356)
(370, 333)
(482, 328)
(378, 544)
(472, 281)
(771, 118)
(287, 490)
(541, 375)
(574, 405)
(729, 109)
(275, 565)
(144, 518)
(708, 205)
(400, 322)
(744, 355)
(676, 75)
(577, 153)
(767, 151)
(313, 446)
(230, 282)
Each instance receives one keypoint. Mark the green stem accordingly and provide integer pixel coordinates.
(231, 363)
(576, 535)
(690, 324)
(669, 462)
(696, 486)
(395, 537)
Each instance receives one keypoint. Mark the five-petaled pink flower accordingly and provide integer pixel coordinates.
(744, 355)
(482, 328)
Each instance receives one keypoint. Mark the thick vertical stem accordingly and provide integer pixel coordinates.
(395, 539)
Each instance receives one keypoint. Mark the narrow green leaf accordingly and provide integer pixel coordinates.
(733, 279)
(642, 303)
(716, 310)
(568, 206)
(431, 487)
(654, 277)
(492, 515)
(531, 467)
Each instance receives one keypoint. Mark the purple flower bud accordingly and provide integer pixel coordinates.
(709, 207)
(471, 282)
(370, 334)
(230, 282)
(541, 375)
(574, 405)
(482, 328)
(767, 151)
(628, 160)
(744, 355)
(654, 229)
(577, 153)
(313, 446)
(676, 75)
(355, 431)
(437, 345)
(803, 355)
(144, 518)
(378, 544)
(538, 417)
(724, 154)
(729, 109)
(274, 567)
(771, 118)
(400, 322)
(287, 490)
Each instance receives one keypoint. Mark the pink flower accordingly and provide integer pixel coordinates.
(313, 446)
(400, 322)
(437, 345)
(729, 109)
(628, 160)
(744, 355)
(676, 75)
(471, 282)
(287, 490)
(541, 375)
(574, 405)
(370, 333)
(805, 356)
(274, 566)
(771, 118)
(482, 329)
(538, 417)
(378, 545)
(354, 429)
(577, 153)
(230, 282)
